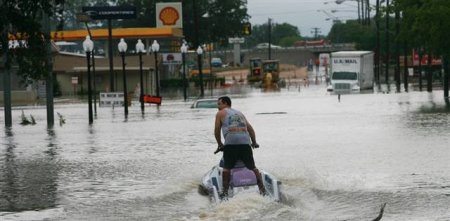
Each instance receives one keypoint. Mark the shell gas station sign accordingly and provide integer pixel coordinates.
(169, 15)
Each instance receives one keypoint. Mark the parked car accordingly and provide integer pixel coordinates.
(266, 45)
(205, 103)
(216, 62)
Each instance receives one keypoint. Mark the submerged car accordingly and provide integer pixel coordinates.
(216, 62)
(205, 103)
(266, 45)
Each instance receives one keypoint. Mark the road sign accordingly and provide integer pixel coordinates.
(110, 12)
(171, 58)
(74, 80)
(152, 99)
(235, 40)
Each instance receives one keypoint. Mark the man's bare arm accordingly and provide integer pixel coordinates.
(251, 132)
(217, 127)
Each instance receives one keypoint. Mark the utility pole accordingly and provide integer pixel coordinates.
(405, 66)
(6, 80)
(49, 77)
(446, 75)
(377, 51)
(430, 71)
(316, 32)
(363, 12)
(359, 11)
(387, 45)
(397, 50)
(270, 38)
(110, 58)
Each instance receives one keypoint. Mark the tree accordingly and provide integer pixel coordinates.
(22, 21)
(225, 19)
(285, 34)
(426, 22)
(363, 35)
(27, 25)
(282, 34)
(425, 25)
(65, 14)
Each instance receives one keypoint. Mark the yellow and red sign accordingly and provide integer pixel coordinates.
(169, 15)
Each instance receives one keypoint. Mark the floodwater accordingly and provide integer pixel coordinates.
(336, 160)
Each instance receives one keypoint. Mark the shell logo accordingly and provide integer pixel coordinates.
(169, 16)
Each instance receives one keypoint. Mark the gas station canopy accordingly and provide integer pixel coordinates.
(117, 33)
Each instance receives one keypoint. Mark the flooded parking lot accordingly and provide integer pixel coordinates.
(337, 160)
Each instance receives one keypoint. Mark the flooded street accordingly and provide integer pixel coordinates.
(336, 160)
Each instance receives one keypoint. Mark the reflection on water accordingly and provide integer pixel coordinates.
(28, 184)
(433, 107)
(337, 160)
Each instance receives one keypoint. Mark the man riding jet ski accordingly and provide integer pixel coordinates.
(239, 137)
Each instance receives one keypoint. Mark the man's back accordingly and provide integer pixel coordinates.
(234, 127)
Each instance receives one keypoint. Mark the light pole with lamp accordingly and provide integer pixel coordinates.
(122, 49)
(199, 62)
(140, 48)
(155, 49)
(184, 50)
(88, 46)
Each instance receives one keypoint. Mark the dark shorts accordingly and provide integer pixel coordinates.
(233, 153)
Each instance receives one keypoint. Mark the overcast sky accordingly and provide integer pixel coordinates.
(305, 14)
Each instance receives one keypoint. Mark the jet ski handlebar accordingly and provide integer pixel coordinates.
(220, 148)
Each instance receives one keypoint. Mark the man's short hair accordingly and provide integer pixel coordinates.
(226, 100)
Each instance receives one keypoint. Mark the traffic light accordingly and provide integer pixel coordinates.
(247, 28)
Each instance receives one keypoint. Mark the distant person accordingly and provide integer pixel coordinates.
(239, 139)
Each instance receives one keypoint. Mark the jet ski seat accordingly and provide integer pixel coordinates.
(240, 175)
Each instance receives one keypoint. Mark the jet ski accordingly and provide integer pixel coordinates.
(241, 180)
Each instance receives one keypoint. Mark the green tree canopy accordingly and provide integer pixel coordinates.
(353, 32)
(22, 20)
(282, 34)
(426, 24)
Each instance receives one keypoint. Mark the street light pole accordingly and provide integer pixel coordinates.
(184, 50)
(155, 49)
(122, 49)
(200, 61)
(93, 82)
(140, 48)
(93, 62)
(88, 46)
